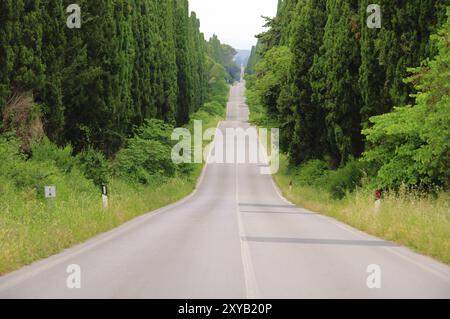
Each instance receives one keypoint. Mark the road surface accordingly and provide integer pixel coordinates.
(235, 237)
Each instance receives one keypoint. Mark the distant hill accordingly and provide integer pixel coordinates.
(242, 57)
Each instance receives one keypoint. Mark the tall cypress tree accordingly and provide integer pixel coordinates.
(123, 114)
(183, 65)
(168, 63)
(54, 45)
(308, 138)
(287, 11)
(197, 62)
(386, 54)
(91, 111)
(130, 61)
(334, 85)
(7, 56)
(28, 71)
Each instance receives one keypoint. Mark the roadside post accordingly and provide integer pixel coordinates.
(377, 201)
(50, 194)
(105, 196)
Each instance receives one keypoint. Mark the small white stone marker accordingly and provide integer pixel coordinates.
(377, 201)
(50, 191)
(105, 196)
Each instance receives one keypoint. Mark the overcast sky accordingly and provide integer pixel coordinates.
(236, 22)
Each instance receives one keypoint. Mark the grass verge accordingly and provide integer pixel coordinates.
(32, 228)
(417, 221)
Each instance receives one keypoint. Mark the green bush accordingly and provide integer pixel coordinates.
(9, 151)
(144, 161)
(45, 150)
(156, 130)
(214, 108)
(345, 180)
(411, 145)
(221, 97)
(312, 173)
(200, 115)
(33, 175)
(94, 166)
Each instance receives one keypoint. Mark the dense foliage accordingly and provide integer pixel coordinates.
(337, 88)
(131, 60)
(411, 145)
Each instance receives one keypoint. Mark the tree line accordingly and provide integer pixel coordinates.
(131, 60)
(326, 77)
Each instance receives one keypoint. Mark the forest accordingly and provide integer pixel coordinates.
(358, 101)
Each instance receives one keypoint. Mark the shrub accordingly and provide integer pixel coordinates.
(200, 115)
(9, 151)
(411, 145)
(34, 175)
(156, 130)
(47, 168)
(94, 166)
(144, 161)
(345, 180)
(214, 108)
(45, 150)
(312, 173)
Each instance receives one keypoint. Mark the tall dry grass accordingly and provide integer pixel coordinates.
(416, 220)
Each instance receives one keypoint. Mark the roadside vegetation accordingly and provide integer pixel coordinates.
(141, 178)
(418, 220)
(344, 141)
(83, 108)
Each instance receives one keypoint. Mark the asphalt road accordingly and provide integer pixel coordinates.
(235, 237)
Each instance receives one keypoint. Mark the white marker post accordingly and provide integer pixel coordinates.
(50, 195)
(377, 201)
(50, 192)
(105, 196)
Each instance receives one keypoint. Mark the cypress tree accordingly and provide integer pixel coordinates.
(386, 54)
(334, 85)
(182, 57)
(123, 114)
(96, 96)
(130, 61)
(168, 65)
(54, 44)
(308, 138)
(7, 57)
(26, 31)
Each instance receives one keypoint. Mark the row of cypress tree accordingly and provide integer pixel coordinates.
(130, 60)
(338, 73)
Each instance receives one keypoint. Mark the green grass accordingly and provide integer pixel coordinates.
(418, 221)
(32, 228)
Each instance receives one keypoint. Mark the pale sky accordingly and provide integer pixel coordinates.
(236, 22)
